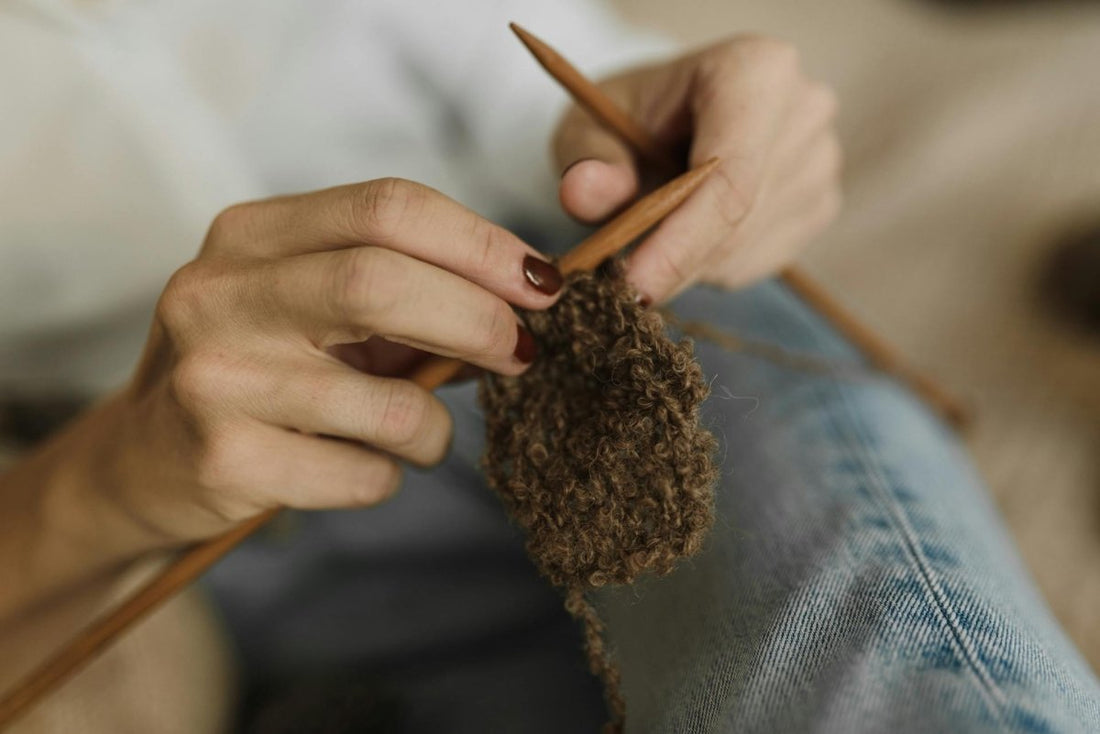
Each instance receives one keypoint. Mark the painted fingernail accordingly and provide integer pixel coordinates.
(641, 300)
(526, 351)
(543, 276)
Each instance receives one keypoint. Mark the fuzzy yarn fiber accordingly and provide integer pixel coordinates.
(597, 451)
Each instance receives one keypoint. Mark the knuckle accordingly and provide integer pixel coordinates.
(762, 57)
(385, 204)
(182, 298)
(720, 60)
(200, 381)
(405, 415)
(367, 285)
(488, 242)
(231, 223)
(769, 52)
(196, 292)
(495, 332)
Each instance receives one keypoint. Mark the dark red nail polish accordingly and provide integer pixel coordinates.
(641, 301)
(526, 351)
(542, 275)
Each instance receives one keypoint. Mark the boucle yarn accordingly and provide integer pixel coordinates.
(597, 451)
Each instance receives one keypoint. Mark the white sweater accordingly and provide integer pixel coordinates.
(126, 125)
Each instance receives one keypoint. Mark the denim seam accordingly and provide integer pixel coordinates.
(857, 443)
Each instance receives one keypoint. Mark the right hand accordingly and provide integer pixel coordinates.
(241, 403)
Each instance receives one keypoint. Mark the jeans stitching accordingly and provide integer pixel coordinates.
(855, 437)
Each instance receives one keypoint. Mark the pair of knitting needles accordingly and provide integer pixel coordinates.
(606, 241)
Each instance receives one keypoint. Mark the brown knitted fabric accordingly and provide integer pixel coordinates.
(597, 451)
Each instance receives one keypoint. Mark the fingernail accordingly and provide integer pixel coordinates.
(542, 275)
(641, 300)
(574, 163)
(526, 351)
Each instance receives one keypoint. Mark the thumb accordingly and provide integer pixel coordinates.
(599, 174)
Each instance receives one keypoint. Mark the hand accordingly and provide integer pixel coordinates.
(745, 100)
(241, 403)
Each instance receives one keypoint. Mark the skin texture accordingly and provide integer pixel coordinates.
(746, 100)
(274, 371)
(242, 367)
(271, 377)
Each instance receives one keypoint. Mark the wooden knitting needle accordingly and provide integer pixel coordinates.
(602, 244)
(592, 99)
(609, 239)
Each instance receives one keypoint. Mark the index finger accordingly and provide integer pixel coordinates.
(404, 216)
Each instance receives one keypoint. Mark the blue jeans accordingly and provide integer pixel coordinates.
(857, 578)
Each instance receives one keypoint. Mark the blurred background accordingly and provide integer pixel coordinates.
(972, 133)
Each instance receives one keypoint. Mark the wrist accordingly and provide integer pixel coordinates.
(105, 481)
(62, 523)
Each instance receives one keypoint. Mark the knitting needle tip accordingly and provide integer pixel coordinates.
(520, 31)
(541, 50)
(700, 172)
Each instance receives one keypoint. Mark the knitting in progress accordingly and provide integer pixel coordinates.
(597, 451)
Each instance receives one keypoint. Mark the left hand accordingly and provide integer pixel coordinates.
(745, 100)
